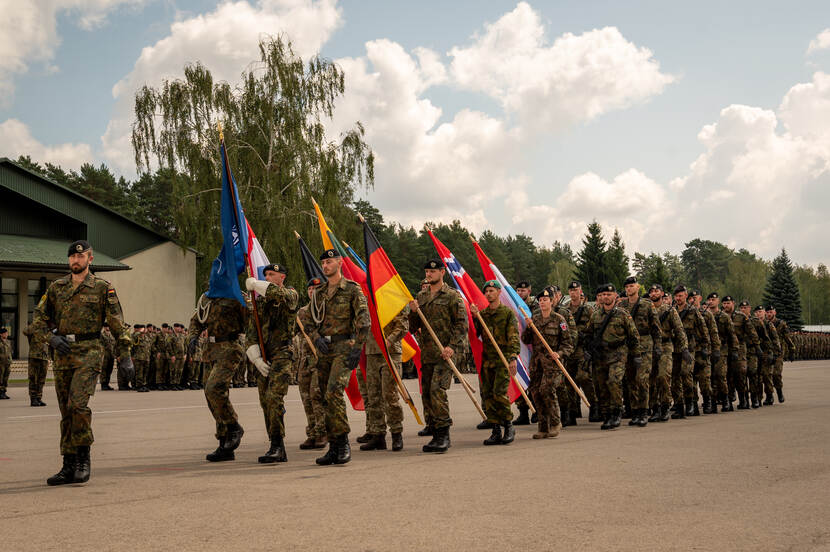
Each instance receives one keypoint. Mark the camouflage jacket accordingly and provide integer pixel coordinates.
(108, 342)
(581, 314)
(38, 346)
(711, 329)
(446, 315)
(726, 331)
(394, 332)
(569, 321)
(774, 338)
(277, 310)
(345, 312)
(81, 311)
(671, 328)
(5, 351)
(532, 303)
(744, 331)
(142, 342)
(225, 321)
(763, 335)
(555, 331)
(503, 325)
(784, 335)
(620, 332)
(645, 318)
(696, 333)
(304, 316)
(178, 345)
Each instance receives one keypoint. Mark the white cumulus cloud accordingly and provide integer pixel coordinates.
(17, 140)
(820, 42)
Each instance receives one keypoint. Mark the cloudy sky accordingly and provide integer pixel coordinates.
(667, 120)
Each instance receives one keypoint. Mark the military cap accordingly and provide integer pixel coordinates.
(554, 288)
(330, 254)
(314, 282)
(524, 284)
(547, 292)
(177, 325)
(759, 308)
(744, 303)
(630, 280)
(692, 293)
(606, 287)
(492, 284)
(574, 284)
(4, 330)
(274, 267)
(434, 264)
(727, 298)
(138, 326)
(165, 325)
(78, 247)
(424, 281)
(771, 307)
(712, 295)
(680, 288)
(657, 287)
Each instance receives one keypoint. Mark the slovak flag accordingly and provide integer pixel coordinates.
(256, 256)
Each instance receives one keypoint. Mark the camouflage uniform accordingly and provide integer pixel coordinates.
(645, 319)
(38, 362)
(447, 316)
(345, 319)
(766, 373)
(241, 368)
(495, 378)
(578, 368)
(79, 312)
(178, 349)
(748, 339)
(703, 362)
(757, 360)
(684, 389)
(108, 342)
(384, 407)
(545, 375)
(729, 347)
(207, 362)
(673, 341)
(567, 396)
(789, 352)
(276, 315)
(225, 321)
(5, 363)
(142, 343)
(310, 391)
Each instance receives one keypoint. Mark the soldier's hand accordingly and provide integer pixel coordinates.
(173, 358)
(447, 353)
(413, 305)
(322, 345)
(262, 367)
(353, 358)
(254, 354)
(511, 367)
(191, 347)
(60, 344)
(259, 286)
(473, 308)
(687, 356)
(556, 356)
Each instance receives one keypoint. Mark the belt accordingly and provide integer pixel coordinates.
(338, 338)
(73, 338)
(229, 337)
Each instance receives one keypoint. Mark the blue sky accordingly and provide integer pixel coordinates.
(618, 166)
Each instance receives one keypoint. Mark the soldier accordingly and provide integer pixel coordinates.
(755, 362)
(106, 363)
(38, 365)
(747, 339)
(568, 398)
(788, 351)
(162, 348)
(545, 375)
(704, 372)
(638, 378)
(613, 341)
(277, 306)
(683, 383)
(239, 373)
(384, 406)
(523, 290)
(578, 368)
(5, 361)
(71, 315)
(728, 346)
(307, 380)
(444, 310)
(142, 342)
(674, 346)
(179, 352)
(195, 368)
(495, 377)
(224, 320)
(777, 353)
(340, 325)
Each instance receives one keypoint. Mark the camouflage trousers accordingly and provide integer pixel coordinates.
(766, 376)
(435, 381)
(580, 372)
(37, 376)
(383, 407)
(76, 375)
(544, 381)
(363, 388)
(495, 379)
(659, 391)
(681, 379)
(777, 373)
(226, 358)
(312, 398)
(5, 372)
(702, 376)
(609, 370)
(719, 385)
(207, 368)
(753, 374)
(272, 392)
(141, 369)
(332, 376)
(638, 380)
(239, 371)
(106, 368)
(736, 372)
(162, 371)
(176, 370)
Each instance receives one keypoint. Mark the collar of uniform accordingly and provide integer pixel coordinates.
(444, 289)
(89, 281)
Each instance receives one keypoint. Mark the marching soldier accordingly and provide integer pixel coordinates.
(729, 348)
(524, 290)
(704, 364)
(109, 358)
(683, 383)
(748, 340)
(777, 353)
(38, 365)
(568, 397)
(674, 347)
(789, 351)
(142, 342)
(755, 362)
(307, 380)
(578, 368)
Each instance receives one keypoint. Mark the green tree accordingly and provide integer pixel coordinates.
(782, 291)
(616, 261)
(705, 259)
(590, 264)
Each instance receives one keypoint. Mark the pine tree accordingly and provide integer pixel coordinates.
(616, 261)
(782, 291)
(590, 261)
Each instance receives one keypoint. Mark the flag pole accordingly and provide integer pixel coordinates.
(307, 339)
(245, 247)
(556, 360)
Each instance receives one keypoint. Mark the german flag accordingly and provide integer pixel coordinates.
(385, 284)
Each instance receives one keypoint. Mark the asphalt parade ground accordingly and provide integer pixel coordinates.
(747, 480)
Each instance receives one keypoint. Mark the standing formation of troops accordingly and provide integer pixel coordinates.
(644, 357)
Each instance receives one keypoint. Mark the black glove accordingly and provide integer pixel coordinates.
(733, 354)
(353, 358)
(191, 347)
(715, 356)
(687, 356)
(60, 344)
(322, 345)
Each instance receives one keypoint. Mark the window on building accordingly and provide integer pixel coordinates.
(8, 310)
(36, 289)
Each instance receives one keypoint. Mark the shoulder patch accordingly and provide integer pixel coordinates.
(564, 326)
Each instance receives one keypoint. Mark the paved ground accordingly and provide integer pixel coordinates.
(755, 480)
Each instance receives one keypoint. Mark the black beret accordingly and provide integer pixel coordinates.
(524, 284)
(574, 285)
(727, 298)
(4, 330)
(606, 287)
(165, 325)
(680, 288)
(78, 247)
(434, 264)
(630, 280)
(692, 293)
(658, 287)
(274, 267)
(314, 282)
(547, 292)
(138, 326)
(771, 307)
(177, 325)
(329, 254)
(759, 308)
(712, 295)
(744, 303)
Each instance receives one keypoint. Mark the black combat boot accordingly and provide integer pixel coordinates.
(275, 454)
(742, 403)
(608, 424)
(3, 396)
(616, 418)
(221, 454)
(483, 425)
(234, 436)
(768, 401)
(573, 417)
(344, 450)
(397, 441)
(426, 432)
(707, 404)
(679, 411)
(635, 417)
(524, 418)
(593, 414)
(643, 420)
(690, 410)
(365, 438)
(780, 392)
(664, 413)
(509, 433)
(534, 418)
(436, 437)
(655, 414)
(377, 442)
(330, 456)
(727, 404)
(82, 465)
(67, 473)
(495, 436)
(695, 409)
(627, 412)
(565, 417)
(756, 402)
(442, 442)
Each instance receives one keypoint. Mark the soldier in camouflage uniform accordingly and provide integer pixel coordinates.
(777, 353)
(224, 320)
(523, 289)
(578, 368)
(674, 346)
(108, 342)
(613, 340)
(729, 348)
(38, 365)
(545, 375)
(444, 310)
(70, 315)
(755, 362)
(638, 378)
(748, 340)
(162, 347)
(178, 355)
(5, 362)
(142, 342)
(307, 380)
(703, 369)
(683, 383)
(495, 376)
(569, 408)
(340, 326)
(277, 306)
(207, 362)
(788, 351)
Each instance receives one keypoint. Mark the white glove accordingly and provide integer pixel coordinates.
(252, 284)
(255, 356)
